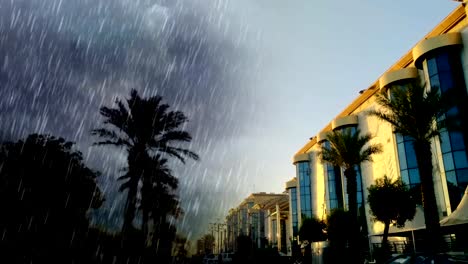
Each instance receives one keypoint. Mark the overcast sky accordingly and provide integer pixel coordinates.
(256, 78)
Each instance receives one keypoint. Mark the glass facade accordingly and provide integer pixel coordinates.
(409, 171)
(444, 72)
(295, 221)
(333, 184)
(254, 228)
(303, 173)
(407, 159)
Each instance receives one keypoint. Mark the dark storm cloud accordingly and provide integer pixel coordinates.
(60, 60)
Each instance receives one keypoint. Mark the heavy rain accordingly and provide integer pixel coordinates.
(63, 60)
(66, 64)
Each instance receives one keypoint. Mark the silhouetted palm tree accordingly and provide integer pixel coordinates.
(46, 192)
(158, 198)
(414, 112)
(145, 128)
(348, 150)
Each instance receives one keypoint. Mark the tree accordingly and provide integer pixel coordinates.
(414, 112)
(312, 230)
(348, 150)
(391, 203)
(46, 192)
(147, 130)
(208, 243)
(339, 234)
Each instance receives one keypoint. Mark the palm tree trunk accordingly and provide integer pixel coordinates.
(351, 188)
(431, 214)
(385, 234)
(130, 207)
(136, 156)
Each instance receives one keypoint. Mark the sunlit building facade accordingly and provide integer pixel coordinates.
(263, 217)
(440, 62)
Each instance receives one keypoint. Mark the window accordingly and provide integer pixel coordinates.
(446, 74)
(295, 221)
(333, 186)
(303, 173)
(407, 159)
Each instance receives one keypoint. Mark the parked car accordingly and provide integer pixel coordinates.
(426, 259)
(210, 259)
(227, 257)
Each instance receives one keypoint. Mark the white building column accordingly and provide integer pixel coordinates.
(278, 226)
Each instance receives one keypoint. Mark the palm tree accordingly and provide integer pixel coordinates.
(46, 194)
(348, 150)
(391, 203)
(158, 200)
(145, 128)
(414, 112)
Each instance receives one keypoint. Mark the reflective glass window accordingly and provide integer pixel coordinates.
(411, 156)
(443, 64)
(303, 169)
(432, 66)
(456, 138)
(445, 81)
(399, 138)
(451, 177)
(435, 84)
(333, 193)
(293, 194)
(460, 159)
(445, 141)
(448, 161)
(463, 177)
(402, 156)
(405, 176)
(445, 71)
(414, 176)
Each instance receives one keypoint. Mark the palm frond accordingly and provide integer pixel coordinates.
(348, 149)
(178, 136)
(117, 142)
(412, 111)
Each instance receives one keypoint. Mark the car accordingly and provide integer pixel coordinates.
(210, 259)
(425, 258)
(227, 257)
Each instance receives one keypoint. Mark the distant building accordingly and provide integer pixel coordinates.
(263, 218)
(439, 61)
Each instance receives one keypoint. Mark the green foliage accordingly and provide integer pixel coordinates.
(391, 201)
(348, 149)
(339, 236)
(45, 194)
(208, 243)
(338, 230)
(415, 112)
(412, 111)
(312, 230)
(244, 246)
